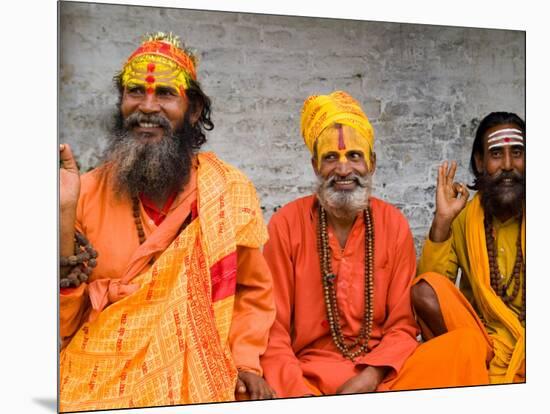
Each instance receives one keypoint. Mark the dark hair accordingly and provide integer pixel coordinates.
(490, 121)
(197, 99)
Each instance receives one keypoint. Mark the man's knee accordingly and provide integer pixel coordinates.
(424, 299)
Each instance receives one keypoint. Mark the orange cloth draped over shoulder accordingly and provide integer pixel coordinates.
(302, 359)
(504, 334)
(164, 336)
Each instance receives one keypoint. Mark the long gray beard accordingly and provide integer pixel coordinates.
(153, 168)
(344, 204)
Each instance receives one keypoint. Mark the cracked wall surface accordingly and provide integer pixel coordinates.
(424, 88)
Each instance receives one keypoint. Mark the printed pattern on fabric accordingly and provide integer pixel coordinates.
(158, 346)
(161, 345)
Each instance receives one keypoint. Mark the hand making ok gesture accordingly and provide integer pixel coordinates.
(450, 199)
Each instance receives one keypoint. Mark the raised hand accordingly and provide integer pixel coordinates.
(253, 387)
(450, 199)
(69, 178)
(69, 191)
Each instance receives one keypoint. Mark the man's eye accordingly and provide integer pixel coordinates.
(330, 157)
(166, 92)
(517, 152)
(135, 90)
(496, 153)
(355, 155)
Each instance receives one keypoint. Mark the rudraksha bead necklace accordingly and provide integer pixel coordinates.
(329, 288)
(137, 219)
(139, 224)
(85, 260)
(82, 262)
(499, 285)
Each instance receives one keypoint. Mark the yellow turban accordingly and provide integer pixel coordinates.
(322, 111)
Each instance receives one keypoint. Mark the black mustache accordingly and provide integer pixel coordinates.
(138, 117)
(507, 175)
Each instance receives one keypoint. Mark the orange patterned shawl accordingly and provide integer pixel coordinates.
(167, 342)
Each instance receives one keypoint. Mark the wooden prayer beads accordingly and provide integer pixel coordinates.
(84, 259)
(137, 220)
(139, 224)
(498, 283)
(329, 290)
(82, 262)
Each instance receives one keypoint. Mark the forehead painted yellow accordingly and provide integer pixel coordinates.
(341, 139)
(151, 71)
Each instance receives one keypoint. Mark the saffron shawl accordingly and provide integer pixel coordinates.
(509, 335)
(167, 342)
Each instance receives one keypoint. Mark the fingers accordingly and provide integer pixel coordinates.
(261, 392)
(255, 385)
(461, 189)
(451, 172)
(67, 158)
(441, 175)
(446, 174)
(457, 188)
(241, 387)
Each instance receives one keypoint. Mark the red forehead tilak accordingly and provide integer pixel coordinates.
(150, 79)
(341, 143)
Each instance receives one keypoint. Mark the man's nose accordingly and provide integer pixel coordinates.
(507, 160)
(149, 104)
(343, 168)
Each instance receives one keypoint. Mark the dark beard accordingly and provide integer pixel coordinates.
(499, 200)
(154, 169)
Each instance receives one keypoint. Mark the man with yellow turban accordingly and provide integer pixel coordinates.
(485, 238)
(342, 264)
(165, 297)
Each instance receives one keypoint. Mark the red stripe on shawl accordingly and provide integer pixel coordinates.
(224, 277)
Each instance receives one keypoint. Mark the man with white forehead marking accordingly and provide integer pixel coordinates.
(485, 238)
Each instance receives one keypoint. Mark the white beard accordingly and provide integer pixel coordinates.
(344, 204)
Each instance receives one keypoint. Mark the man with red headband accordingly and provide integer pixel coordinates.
(485, 238)
(342, 264)
(165, 297)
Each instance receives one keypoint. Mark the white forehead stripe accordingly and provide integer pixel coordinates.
(505, 131)
(502, 144)
(505, 136)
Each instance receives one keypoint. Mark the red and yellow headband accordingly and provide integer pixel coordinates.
(322, 111)
(160, 60)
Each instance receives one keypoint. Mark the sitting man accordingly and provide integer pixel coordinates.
(177, 306)
(485, 238)
(342, 264)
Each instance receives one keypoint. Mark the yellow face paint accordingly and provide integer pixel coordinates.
(151, 71)
(341, 139)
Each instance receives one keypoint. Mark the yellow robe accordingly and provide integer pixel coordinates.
(466, 249)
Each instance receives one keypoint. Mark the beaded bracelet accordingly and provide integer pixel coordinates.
(82, 263)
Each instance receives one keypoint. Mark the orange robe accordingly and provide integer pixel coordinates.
(301, 357)
(222, 211)
(466, 249)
